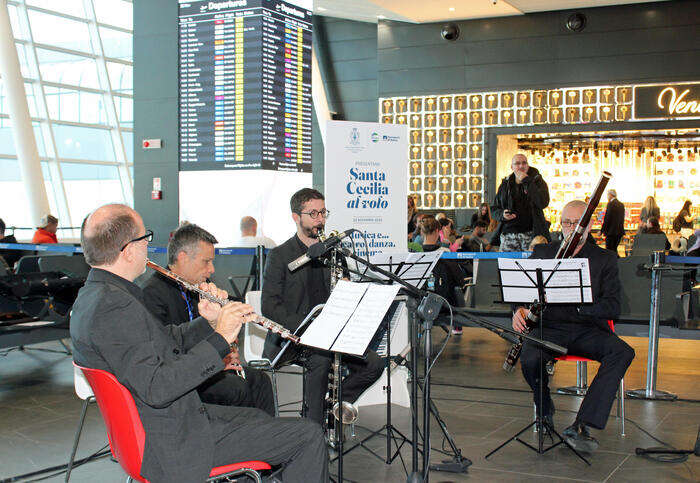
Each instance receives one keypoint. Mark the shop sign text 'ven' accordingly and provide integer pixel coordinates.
(667, 101)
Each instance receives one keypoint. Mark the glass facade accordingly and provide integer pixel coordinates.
(77, 62)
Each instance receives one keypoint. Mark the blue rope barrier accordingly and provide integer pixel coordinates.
(483, 255)
(676, 259)
(73, 249)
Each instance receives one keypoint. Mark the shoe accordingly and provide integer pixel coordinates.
(350, 412)
(457, 331)
(550, 367)
(578, 436)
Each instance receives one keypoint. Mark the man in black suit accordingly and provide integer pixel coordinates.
(584, 331)
(191, 257)
(287, 297)
(614, 222)
(113, 330)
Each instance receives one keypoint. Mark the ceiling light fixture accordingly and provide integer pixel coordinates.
(381, 17)
(451, 9)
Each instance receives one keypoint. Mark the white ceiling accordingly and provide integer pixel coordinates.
(424, 11)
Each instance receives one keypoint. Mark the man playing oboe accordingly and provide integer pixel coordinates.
(584, 331)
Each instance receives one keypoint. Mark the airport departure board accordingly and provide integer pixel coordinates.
(245, 85)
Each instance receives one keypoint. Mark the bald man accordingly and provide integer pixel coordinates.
(519, 206)
(161, 366)
(249, 238)
(584, 331)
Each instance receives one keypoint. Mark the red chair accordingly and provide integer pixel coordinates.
(126, 434)
(581, 386)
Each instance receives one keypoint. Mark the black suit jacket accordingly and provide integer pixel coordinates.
(285, 294)
(605, 285)
(164, 298)
(161, 366)
(614, 220)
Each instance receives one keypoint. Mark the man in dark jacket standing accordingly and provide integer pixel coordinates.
(613, 222)
(519, 204)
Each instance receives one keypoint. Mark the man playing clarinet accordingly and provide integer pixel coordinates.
(584, 331)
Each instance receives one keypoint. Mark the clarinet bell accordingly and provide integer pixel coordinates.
(350, 412)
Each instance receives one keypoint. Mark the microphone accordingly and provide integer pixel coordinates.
(319, 249)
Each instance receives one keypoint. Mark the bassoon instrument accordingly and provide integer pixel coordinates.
(566, 250)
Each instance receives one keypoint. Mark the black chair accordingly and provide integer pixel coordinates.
(646, 243)
(485, 294)
(73, 266)
(28, 264)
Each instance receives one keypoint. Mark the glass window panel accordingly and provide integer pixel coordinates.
(71, 7)
(7, 141)
(23, 65)
(83, 143)
(75, 105)
(61, 32)
(116, 44)
(68, 68)
(121, 77)
(115, 12)
(128, 138)
(31, 99)
(125, 110)
(18, 27)
(88, 186)
(12, 194)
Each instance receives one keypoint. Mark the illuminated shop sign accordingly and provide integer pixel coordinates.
(667, 101)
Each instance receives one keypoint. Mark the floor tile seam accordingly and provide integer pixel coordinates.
(536, 475)
(43, 423)
(617, 468)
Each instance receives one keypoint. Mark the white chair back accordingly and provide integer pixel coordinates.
(82, 387)
(253, 335)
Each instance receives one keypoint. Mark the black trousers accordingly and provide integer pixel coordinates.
(228, 389)
(363, 373)
(245, 434)
(612, 241)
(588, 341)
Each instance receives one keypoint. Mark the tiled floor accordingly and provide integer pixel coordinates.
(481, 406)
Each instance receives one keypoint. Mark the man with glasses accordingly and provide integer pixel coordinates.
(518, 206)
(161, 366)
(287, 297)
(584, 331)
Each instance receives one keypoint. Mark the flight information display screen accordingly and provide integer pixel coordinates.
(245, 85)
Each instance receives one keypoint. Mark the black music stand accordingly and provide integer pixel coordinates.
(541, 285)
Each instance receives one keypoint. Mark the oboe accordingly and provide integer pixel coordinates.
(263, 322)
(566, 250)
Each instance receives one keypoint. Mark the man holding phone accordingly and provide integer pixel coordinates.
(519, 204)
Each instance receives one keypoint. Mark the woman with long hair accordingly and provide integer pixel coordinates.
(684, 219)
(483, 214)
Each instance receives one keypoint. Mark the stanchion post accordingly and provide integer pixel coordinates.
(650, 391)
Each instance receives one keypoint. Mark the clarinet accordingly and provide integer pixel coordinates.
(566, 250)
(263, 322)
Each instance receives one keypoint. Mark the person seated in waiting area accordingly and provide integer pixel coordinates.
(476, 242)
(46, 231)
(448, 235)
(10, 256)
(430, 234)
(652, 227)
(538, 240)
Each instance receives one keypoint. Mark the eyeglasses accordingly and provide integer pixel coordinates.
(569, 223)
(314, 213)
(148, 237)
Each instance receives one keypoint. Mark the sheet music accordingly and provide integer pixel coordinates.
(350, 317)
(563, 287)
(363, 323)
(416, 269)
(337, 311)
